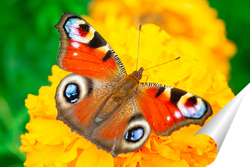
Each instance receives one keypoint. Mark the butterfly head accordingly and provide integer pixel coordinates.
(138, 74)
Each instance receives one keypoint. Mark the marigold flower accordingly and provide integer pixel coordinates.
(192, 22)
(50, 142)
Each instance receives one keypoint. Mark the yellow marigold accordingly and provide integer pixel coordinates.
(192, 22)
(50, 142)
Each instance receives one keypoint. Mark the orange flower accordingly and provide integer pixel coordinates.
(50, 142)
(192, 22)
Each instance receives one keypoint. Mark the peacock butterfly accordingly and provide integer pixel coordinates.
(105, 105)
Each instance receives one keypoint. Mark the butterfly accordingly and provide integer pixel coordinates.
(108, 107)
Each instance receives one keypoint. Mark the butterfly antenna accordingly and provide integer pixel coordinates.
(138, 47)
(162, 63)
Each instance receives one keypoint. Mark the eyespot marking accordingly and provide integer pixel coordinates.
(192, 100)
(71, 93)
(135, 134)
(72, 89)
(85, 27)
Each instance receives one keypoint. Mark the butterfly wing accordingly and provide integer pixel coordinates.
(96, 68)
(168, 109)
(83, 50)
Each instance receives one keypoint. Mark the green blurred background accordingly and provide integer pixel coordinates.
(29, 45)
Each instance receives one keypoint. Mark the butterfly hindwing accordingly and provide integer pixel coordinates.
(124, 130)
(168, 109)
(83, 50)
(78, 99)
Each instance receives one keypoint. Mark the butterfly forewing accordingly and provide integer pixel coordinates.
(83, 50)
(167, 109)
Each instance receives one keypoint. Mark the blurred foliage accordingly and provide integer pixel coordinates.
(29, 45)
(236, 14)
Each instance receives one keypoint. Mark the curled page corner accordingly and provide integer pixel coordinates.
(234, 143)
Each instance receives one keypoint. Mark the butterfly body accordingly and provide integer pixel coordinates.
(127, 85)
(108, 107)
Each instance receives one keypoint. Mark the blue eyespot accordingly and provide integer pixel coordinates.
(134, 134)
(71, 92)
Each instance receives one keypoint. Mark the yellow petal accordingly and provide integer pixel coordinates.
(93, 158)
